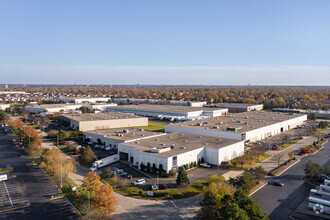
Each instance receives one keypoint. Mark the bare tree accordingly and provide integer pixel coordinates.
(278, 158)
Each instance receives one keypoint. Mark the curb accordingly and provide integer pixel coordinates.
(20, 207)
(288, 168)
(258, 189)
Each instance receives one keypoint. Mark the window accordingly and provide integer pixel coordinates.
(243, 136)
(174, 161)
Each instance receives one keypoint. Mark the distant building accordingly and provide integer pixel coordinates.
(176, 149)
(157, 102)
(4, 106)
(64, 108)
(169, 112)
(238, 107)
(319, 113)
(247, 126)
(95, 121)
(83, 99)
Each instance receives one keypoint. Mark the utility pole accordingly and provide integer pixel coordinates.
(89, 206)
(61, 177)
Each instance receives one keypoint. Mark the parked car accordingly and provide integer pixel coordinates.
(154, 186)
(122, 174)
(108, 148)
(279, 183)
(205, 165)
(163, 186)
(90, 143)
(63, 142)
(129, 177)
(139, 182)
(97, 146)
(303, 151)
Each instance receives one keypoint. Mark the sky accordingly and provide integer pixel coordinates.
(209, 42)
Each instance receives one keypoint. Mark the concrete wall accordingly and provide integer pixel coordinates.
(107, 124)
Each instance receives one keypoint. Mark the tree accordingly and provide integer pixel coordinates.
(234, 212)
(258, 173)
(326, 171)
(87, 155)
(246, 182)
(323, 124)
(312, 116)
(285, 139)
(312, 170)
(105, 199)
(182, 176)
(52, 134)
(84, 110)
(91, 183)
(62, 135)
(278, 158)
(291, 154)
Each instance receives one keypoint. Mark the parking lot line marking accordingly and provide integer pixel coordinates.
(8, 193)
(173, 204)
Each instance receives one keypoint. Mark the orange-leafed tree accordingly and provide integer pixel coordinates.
(105, 199)
(91, 183)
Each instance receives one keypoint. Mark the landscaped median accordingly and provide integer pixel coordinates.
(123, 187)
(245, 161)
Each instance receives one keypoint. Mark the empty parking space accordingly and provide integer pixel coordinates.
(12, 194)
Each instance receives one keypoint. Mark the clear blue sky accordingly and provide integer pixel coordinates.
(165, 42)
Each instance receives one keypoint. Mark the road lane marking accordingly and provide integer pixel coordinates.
(8, 193)
(173, 204)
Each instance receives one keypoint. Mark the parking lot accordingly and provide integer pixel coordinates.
(12, 194)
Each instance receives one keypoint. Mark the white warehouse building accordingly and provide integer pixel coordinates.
(52, 108)
(83, 99)
(169, 112)
(106, 120)
(113, 137)
(246, 126)
(176, 149)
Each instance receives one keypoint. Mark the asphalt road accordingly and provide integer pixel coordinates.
(37, 185)
(280, 202)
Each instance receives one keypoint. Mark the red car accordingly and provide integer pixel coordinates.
(63, 142)
(163, 186)
(304, 151)
(18, 143)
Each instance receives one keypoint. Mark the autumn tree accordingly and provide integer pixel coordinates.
(57, 164)
(105, 199)
(91, 183)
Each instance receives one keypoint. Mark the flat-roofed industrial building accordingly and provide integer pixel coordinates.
(107, 120)
(113, 137)
(238, 107)
(247, 126)
(52, 108)
(83, 99)
(170, 112)
(158, 102)
(176, 149)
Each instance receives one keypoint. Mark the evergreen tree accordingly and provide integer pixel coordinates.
(182, 176)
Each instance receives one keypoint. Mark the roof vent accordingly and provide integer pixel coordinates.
(205, 143)
(216, 127)
(200, 136)
(182, 147)
(218, 139)
(185, 141)
(172, 146)
(162, 144)
(181, 134)
(157, 139)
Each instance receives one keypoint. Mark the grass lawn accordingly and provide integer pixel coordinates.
(63, 148)
(245, 161)
(153, 126)
(5, 170)
(177, 193)
(284, 146)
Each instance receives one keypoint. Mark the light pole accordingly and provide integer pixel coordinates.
(57, 140)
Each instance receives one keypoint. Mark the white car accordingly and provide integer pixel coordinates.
(205, 165)
(139, 182)
(90, 143)
(108, 148)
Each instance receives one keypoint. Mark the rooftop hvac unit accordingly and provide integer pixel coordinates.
(162, 144)
(181, 134)
(218, 139)
(157, 139)
(205, 143)
(182, 147)
(185, 141)
(200, 136)
(216, 127)
(172, 146)
(125, 131)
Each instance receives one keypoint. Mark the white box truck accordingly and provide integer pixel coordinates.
(104, 162)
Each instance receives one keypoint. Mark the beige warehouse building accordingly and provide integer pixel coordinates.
(96, 121)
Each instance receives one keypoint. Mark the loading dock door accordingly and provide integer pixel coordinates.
(123, 156)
